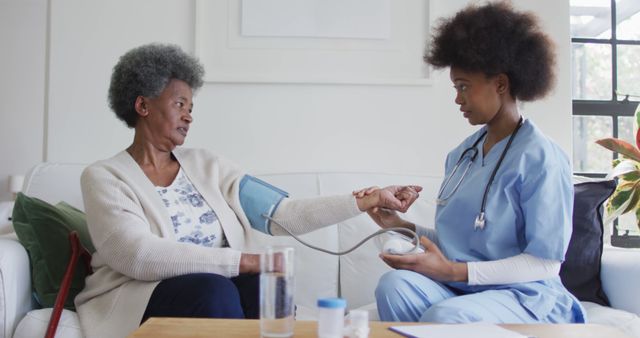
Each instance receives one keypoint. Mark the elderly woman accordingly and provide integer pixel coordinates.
(503, 220)
(169, 224)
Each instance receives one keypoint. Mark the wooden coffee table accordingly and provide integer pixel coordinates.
(231, 328)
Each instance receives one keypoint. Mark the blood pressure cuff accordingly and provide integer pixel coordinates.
(258, 197)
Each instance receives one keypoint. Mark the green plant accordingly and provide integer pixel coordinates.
(626, 169)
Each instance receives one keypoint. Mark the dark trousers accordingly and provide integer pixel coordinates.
(206, 295)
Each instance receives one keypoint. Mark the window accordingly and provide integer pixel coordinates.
(605, 52)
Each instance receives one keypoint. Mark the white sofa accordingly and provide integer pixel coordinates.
(353, 276)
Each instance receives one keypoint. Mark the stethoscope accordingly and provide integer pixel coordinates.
(471, 153)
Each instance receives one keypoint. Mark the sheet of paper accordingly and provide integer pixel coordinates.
(476, 330)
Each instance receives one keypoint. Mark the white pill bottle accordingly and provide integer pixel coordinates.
(331, 317)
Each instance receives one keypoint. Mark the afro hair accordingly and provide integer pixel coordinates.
(495, 39)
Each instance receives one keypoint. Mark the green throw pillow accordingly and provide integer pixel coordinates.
(43, 229)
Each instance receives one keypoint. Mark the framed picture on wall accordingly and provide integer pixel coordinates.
(313, 41)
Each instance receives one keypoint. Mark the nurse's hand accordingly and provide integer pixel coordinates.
(387, 218)
(432, 263)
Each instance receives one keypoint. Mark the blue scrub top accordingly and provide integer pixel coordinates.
(529, 210)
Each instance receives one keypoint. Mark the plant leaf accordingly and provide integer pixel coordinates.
(621, 147)
(616, 205)
(624, 167)
(625, 186)
(617, 199)
(637, 125)
(633, 199)
(631, 176)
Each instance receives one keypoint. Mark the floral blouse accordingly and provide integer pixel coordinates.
(193, 219)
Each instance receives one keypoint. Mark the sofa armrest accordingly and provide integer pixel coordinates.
(15, 285)
(620, 277)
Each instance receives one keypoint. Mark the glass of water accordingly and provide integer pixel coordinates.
(276, 292)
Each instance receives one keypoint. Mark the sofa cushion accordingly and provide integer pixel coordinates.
(627, 322)
(35, 323)
(620, 274)
(580, 272)
(316, 272)
(43, 229)
(361, 269)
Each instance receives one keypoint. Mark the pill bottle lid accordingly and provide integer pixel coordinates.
(333, 303)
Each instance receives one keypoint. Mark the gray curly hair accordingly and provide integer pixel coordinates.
(145, 71)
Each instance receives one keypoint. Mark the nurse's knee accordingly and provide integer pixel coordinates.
(393, 282)
(443, 313)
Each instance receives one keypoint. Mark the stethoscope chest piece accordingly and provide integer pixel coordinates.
(479, 223)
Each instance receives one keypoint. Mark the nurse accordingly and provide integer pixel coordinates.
(504, 213)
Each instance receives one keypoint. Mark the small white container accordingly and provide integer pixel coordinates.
(358, 324)
(331, 317)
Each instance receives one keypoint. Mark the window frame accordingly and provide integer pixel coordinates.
(614, 108)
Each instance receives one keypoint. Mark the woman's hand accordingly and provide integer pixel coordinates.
(394, 197)
(249, 263)
(432, 263)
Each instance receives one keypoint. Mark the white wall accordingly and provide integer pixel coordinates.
(264, 127)
(22, 87)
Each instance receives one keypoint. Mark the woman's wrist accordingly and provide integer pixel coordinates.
(368, 201)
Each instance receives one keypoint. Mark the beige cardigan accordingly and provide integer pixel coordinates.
(135, 243)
